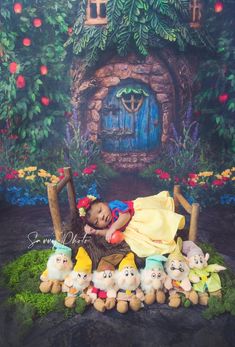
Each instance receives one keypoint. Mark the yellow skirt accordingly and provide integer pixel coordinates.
(153, 227)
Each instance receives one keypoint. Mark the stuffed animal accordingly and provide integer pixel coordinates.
(79, 279)
(204, 277)
(128, 281)
(177, 281)
(104, 290)
(152, 279)
(59, 265)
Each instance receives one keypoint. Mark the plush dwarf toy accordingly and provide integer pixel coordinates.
(128, 281)
(177, 280)
(103, 294)
(152, 279)
(204, 277)
(59, 265)
(79, 279)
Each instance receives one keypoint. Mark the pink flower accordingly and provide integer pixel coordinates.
(225, 178)
(61, 177)
(88, 171)
(60, 170)
(217, 183)
(164, 176)
(158, 171)
(9, 176)
(176, 179)
(192, 183)
(93, 167)
(75, 173)
(192, 175)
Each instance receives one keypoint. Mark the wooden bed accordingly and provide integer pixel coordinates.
(53, 197)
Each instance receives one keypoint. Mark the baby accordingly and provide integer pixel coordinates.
(149, 224)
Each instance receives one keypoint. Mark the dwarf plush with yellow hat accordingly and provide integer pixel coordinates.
(59, 265)
(152, 279)
(128, 282)
(79, 279)
(177, 281)
(104, 291)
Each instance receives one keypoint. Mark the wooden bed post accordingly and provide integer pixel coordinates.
(55, 210)
(193, 210)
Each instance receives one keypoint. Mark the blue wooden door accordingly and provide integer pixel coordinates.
(124, 129)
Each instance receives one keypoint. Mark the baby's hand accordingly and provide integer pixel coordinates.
(109, 234)
(89, 230)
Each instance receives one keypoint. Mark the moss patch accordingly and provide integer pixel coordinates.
(25, 302)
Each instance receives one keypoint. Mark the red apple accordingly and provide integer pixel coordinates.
(219, 6)
(26, 42)
(17, 7)
(13, 67)
(223, 98)
(117, 237)
(45, 100)
(20, 82)
(37, 22)
(43, 70)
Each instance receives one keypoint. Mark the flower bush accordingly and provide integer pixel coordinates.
(206, 187)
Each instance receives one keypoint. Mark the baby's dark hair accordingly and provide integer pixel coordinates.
(89, 209)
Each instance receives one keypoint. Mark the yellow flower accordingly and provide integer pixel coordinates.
(30, 168)
(91, 197)
(21, 175)
(46, 183)
(21, 172)
(226, 173)
(233, 168)
(31, 177)
(233, 179)
(82, 212)
(54, 179)
(206, 173)
(218, 176)
(43, 174)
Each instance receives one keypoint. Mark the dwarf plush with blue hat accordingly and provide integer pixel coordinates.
(153, 278)
(59, 266)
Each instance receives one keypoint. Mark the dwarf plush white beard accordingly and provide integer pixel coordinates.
(80, 283)
(175, 274)
(54, 273)
(149, 283)
(127, 282)
(103, 283)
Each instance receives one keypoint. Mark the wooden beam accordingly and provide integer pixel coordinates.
(70, 189)
(55, 210)
(194, 222)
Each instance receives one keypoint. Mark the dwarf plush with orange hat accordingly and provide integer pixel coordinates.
(177, 281)
(152, 279)
(59, 265)
(79, 279)
(103, 294)
(128, 282)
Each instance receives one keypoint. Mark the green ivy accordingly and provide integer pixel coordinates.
(138, 25)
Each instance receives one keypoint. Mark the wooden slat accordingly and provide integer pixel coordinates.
(194, 222)
(55, 210)
(70, 189)
(62, 184)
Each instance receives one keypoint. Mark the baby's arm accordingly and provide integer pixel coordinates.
(122, 220)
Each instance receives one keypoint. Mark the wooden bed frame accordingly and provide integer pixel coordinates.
(53, 191)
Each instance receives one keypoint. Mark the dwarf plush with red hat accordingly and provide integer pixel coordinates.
(59, 265)
(128, 282)
(177, 281)
(103, 293)
(152, 279)
(79, 279)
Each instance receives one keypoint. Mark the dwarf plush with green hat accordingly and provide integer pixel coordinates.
(128, 282)
(59, 265)
(104, 291)
(152, 279)
(177, 281)
(78, 281)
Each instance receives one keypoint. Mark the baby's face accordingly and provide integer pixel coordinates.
(99, 215)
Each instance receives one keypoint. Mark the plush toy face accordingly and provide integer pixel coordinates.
(81, 280)
(198, 261)
(177, 269)
(152, 279)
(128, 278)
(59, 266)
(104, 280)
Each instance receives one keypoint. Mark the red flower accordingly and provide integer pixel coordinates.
(14, 172)
(43, 70)
(20, 82)
(45, 100)
(13, 137)
(60, 170)
(93, 167)
(75, 173)
(192, 183)
(217, 183)
(176, 179)
(17, 7)
(13, 67)
(225, 178)
(26, 42)
(164, 175)
(192, 175)
(88, 171)
(37, 22)
(9, 176)
(84, 202)
(70, 31)
(61, 177)
(158, 171)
